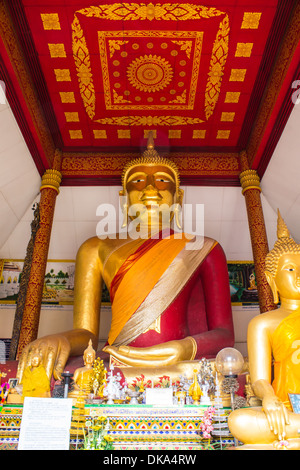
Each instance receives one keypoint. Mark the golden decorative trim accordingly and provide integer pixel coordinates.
(105, 164)
(50, 21)
(199, 133)
(134, 11)
(232, 96)
(249, 180)
(174, 134)
(251, 20)
(223, 134)
(72, 116)
(185, 46)
(180, 98)
(115, 45)
(62, 75)
(194, 347)
(75, 134)
(243, 49)
(119, 99)
(124, 133)
(149, 121)
(51, 179)
(57, 50)
(67, 96)
(100, 134)
(237, 75)
(216, 70)
(227, 117)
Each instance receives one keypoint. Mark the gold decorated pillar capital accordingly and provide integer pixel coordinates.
(50, 184)
(51, 179)
(249, 179)
(250, 183)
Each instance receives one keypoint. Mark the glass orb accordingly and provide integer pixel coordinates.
(229, 362)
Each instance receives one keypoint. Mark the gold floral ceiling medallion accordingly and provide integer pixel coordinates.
(149, 73)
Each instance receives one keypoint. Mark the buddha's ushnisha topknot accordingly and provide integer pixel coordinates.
(284, 245)
(150, 157)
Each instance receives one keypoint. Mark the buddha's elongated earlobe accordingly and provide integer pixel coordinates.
(178, 208)
(177, 213)
(272, 284)
(124, 207)
(125, 215)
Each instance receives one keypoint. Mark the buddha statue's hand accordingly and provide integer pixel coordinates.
(54, 351)
(160, 355)
(277, 416)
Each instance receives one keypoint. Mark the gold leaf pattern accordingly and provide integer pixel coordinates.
(251, 20)
(50, 21)
(185, 46)
(115, 45)
(216, 69)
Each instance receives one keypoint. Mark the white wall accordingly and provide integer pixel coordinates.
(19, 178)
(280, 182)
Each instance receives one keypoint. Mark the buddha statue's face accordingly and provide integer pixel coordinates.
(35, 360)
(287, 278)
(89, 358)
(151, 184)
(154, 187)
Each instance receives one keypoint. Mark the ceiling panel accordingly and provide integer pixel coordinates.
(94, 79)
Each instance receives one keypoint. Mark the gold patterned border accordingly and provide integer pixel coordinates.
(134, 11)
(149, 120)
(206, 164)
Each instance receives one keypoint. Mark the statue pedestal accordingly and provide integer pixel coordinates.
(132, 427)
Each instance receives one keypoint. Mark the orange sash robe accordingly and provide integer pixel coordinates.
(137, 277)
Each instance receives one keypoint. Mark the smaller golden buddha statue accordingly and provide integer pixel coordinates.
(274, 343)
(82, 375)
(35, 382)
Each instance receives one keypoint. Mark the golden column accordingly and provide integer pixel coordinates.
(31, 315)
(251, 190)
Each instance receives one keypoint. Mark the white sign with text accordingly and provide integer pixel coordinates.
(45, 424)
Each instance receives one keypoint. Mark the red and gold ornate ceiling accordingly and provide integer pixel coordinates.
(199, 75)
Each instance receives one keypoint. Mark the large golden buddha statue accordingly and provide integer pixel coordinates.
(274, 340)
(169, 292)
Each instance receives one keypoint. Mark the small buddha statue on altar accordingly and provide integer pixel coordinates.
(82, 376)
(274, 342)
(35, 382)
